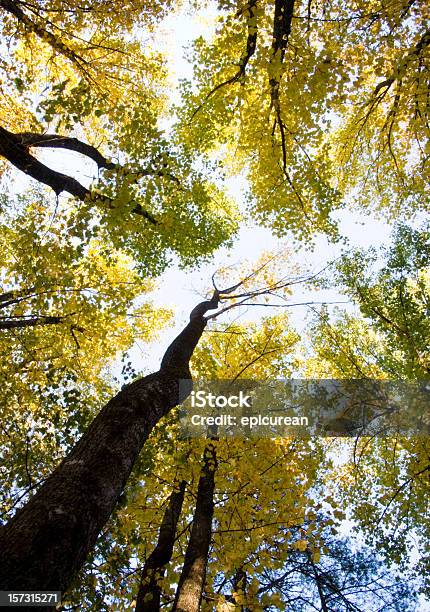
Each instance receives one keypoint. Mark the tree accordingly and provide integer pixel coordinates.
(135, 529)
(254, 561)
(48, 539)
(149, 594)
(387, 339)
(338, 578)
(67, 311)
(283, 75)
(147, 184)
(228, 495)
(193, 575)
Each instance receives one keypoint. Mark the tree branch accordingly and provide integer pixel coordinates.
(15, 148)
(251, 45)
(30, 322)
(54, 141)
(14, 151)
(422, 44)
(46, 36)
(282, 19)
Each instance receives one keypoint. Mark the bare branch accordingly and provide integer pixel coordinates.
(247, 298)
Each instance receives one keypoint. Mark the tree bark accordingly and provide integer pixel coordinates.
(30, 322)
(192, 580)
(240, 584)
(149, 594)
(45, 544)
(12, 148)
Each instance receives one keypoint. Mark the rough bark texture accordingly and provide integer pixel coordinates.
(191, 583)
(148, 597)
(45, 544)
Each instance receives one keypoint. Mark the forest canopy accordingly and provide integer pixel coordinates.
(212, 191)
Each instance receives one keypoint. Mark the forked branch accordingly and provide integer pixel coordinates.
(16, 149)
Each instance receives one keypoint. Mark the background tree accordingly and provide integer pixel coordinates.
(149, 594)
(341, 576)
(386, 338)
(68, 311)
(80, 80)
(258, 558)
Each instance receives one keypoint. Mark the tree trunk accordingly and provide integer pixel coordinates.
(148, 597)
(240, 584)
(46, 543)
(319, 583)
(191, 583)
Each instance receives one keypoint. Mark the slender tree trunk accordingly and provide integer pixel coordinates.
(192, 580)
(148, 597)
(240, 584)
(318, 581)
(45, 544)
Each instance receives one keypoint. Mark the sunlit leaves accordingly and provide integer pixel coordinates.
(349, 121)
(55, 377)
(385, 484)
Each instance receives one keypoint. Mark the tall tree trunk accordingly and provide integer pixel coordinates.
(148, 597)
(191, 583)
(45, 544)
